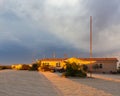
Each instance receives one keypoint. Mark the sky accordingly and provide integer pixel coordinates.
(33, 29)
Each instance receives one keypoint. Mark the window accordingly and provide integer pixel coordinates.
(101, 65)
(47, 64)
(58, 64)
(43, 64)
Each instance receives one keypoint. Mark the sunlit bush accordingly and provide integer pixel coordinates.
(47, 68)
(20, 67)
(75, 70)
(34, 67)
(5, 67)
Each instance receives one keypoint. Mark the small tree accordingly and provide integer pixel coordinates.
(85, 67)
(44, 68)
(95, 67)
(73, 69)
(25, 67)
(118, 70)
(34, 67)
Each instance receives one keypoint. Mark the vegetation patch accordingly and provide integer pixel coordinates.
(75, 70)
(46, 68)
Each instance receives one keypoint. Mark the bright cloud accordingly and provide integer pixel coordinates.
(61, 3)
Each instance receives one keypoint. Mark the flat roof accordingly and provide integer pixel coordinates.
(87, 59)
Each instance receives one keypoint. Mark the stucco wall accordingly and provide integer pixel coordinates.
(107, 66)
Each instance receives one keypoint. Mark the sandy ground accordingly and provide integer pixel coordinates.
(25, 83)
(30, 83)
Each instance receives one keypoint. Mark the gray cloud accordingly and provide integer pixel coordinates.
(11, 52)
(51, 25)
(106, 24)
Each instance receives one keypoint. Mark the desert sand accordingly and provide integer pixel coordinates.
(25, 83)
(33, 83)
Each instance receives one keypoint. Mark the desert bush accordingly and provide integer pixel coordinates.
(5, 67)
(46, 68)
(20, 67)
(84, 67)
(118, 70)
(2, 67)
(34, 67)
(25, 67)
(75, 70)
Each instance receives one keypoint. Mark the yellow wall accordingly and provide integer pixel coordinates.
(108, 65)
(62, 63)
(53, 63)
(17, 67)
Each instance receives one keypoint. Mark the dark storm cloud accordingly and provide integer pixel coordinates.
(59, 51)
(11, 52)
(41, 27)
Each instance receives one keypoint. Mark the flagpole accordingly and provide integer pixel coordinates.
(90, 46)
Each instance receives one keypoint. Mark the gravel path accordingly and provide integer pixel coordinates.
(108, 77)
(106, 85)
(74, 87)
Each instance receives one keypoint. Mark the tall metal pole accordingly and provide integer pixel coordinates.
(90, 45)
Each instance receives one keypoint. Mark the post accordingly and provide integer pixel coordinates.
(90, 45)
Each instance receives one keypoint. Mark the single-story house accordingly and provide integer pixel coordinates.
(98, 65)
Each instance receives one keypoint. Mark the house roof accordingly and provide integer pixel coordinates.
(52, 59)
(100, 59)
(77, 60)
(86, 59)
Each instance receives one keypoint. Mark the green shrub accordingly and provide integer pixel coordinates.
(84, 67)
(118, 70)
(25, 67)
(5, 67)
(75, 70)
(46, 68)
(34, 67)
(81, 73)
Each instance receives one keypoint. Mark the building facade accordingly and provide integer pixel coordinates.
(97, 65)
(103, 65)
